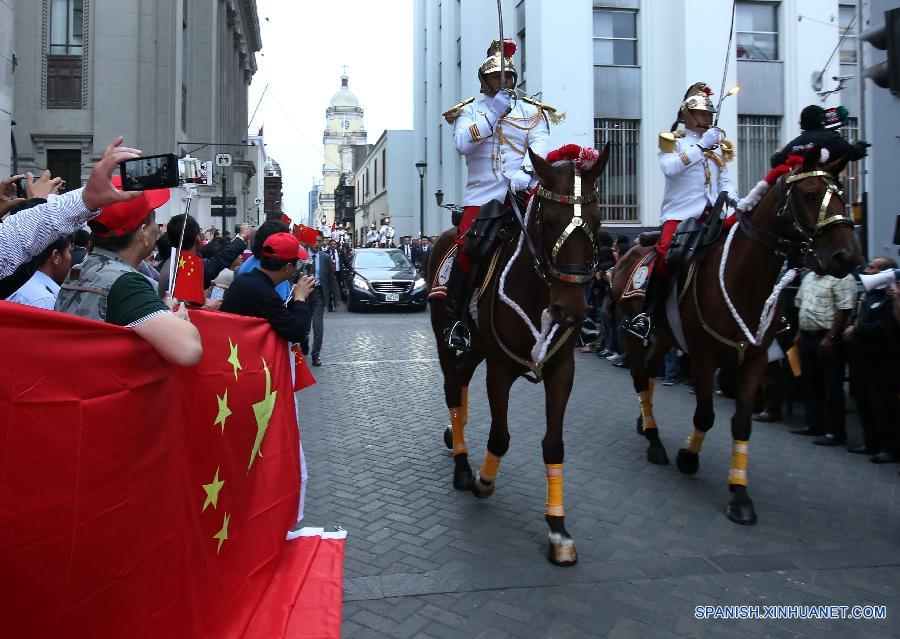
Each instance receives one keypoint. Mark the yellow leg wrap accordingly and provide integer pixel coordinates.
(464, 405)
(646, 399)
(459, 438)
(554, 489)
(738, 473)
(695, 441)
(490, 467)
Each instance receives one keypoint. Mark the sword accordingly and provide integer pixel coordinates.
(502, 60)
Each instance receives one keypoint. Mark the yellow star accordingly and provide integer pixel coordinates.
(181, 262)
(212, 492)
(222, 535)
(224, 411)
(233, 358)
(263, 411)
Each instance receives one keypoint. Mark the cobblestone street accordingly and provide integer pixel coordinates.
(424, 560)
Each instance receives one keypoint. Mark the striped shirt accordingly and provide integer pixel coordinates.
(27, 233)
(820, 298)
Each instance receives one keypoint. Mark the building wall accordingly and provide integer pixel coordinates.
(679, 42)
(393, 190)
(7, 50)
(138, 58)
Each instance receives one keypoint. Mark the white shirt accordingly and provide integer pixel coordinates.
(687, 192)
(27, 233)
(371, 236)
(39, 291)
(491, 163)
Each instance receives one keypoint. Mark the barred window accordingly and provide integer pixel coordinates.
(619, 182)
(758, 138)
(851, 181)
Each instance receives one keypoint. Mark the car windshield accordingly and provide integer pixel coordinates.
(380, 259)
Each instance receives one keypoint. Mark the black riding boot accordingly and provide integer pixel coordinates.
(641, 325)
(457, 335)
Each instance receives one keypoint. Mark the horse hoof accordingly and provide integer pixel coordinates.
(482, 489)
(448, 437)
(740, 510)
(561, 550)
(687, 462)
(657, 455)
(640, 425)
(462, 476)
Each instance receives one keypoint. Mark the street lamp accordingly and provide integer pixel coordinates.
(420, 167)
(439, 197)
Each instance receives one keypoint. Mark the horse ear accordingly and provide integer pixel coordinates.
(811, 159)
(544, 169)
(600, 166)
(837, 166)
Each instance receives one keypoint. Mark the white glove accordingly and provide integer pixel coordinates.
(519, 181)
(711, 138)
(500, 105)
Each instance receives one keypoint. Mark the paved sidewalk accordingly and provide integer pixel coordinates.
(423, 560)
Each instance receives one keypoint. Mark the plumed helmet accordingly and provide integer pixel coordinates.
(494, 60)
(697, 98)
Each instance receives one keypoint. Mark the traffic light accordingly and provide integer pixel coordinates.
(887, 38)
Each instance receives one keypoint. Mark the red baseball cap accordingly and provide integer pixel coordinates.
(123, 217)
(281, 246)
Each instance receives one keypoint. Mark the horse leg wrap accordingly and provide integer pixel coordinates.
(459, 438)
(554, 490)
(490, 468)
(646, 399)
(738, 474)
(695, 441)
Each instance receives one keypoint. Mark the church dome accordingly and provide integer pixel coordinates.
(344, 98)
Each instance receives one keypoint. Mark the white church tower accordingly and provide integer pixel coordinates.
(344, 129)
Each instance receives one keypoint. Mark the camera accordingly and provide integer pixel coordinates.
(160, 172)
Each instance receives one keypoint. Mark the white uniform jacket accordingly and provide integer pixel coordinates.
(693, 180)
(494, 155)
(371, 236)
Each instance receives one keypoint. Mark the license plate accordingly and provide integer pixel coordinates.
(392, 297)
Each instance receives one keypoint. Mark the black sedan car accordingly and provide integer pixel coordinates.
(384, 277)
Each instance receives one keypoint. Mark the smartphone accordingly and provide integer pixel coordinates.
(20, 189)
(150, 172)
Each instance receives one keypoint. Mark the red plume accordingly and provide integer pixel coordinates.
(707, 91)
(509, 48)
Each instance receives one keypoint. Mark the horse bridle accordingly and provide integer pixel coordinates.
(796, 251)
(569, 273)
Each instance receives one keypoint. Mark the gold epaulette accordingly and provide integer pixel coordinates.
(551, 112)
(667, 140)
(727, 150)
(453, 112)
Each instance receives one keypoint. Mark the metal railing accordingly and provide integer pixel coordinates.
(758, 137)
(619, 182)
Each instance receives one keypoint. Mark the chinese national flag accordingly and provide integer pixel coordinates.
(305, 234)
(286, 220)
(141, 499)
(303, 377)
(189, 283)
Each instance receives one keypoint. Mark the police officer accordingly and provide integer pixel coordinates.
(693, 160)
(372, 236)
(493, 132)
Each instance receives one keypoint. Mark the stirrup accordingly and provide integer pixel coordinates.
(640, 326)
(457, 336)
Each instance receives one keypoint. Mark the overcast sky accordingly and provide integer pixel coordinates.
(305, 45)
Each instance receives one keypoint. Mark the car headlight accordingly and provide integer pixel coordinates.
(360, 283)
(420, 283)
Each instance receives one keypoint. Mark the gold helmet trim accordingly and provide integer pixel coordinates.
(494, 61)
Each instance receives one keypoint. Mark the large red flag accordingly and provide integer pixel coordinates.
(189, 281)
(142, 499)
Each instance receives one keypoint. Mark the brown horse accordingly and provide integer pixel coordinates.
(542, 273)
(800, 218)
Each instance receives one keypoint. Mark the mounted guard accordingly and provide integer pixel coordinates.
(694, 161)
(494, 132)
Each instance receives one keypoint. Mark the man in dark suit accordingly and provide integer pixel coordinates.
(341, 266)
(325, 292)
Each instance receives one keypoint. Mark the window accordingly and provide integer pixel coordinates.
(66, 27)
(520, 20)
(757, 31)
(383, 166)
(851, 182)
(375, 165)
(619, 182)
(65, 163)
(184, 107)
(615, 37)
(185, 11)
(847, 14)
(758, 137)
